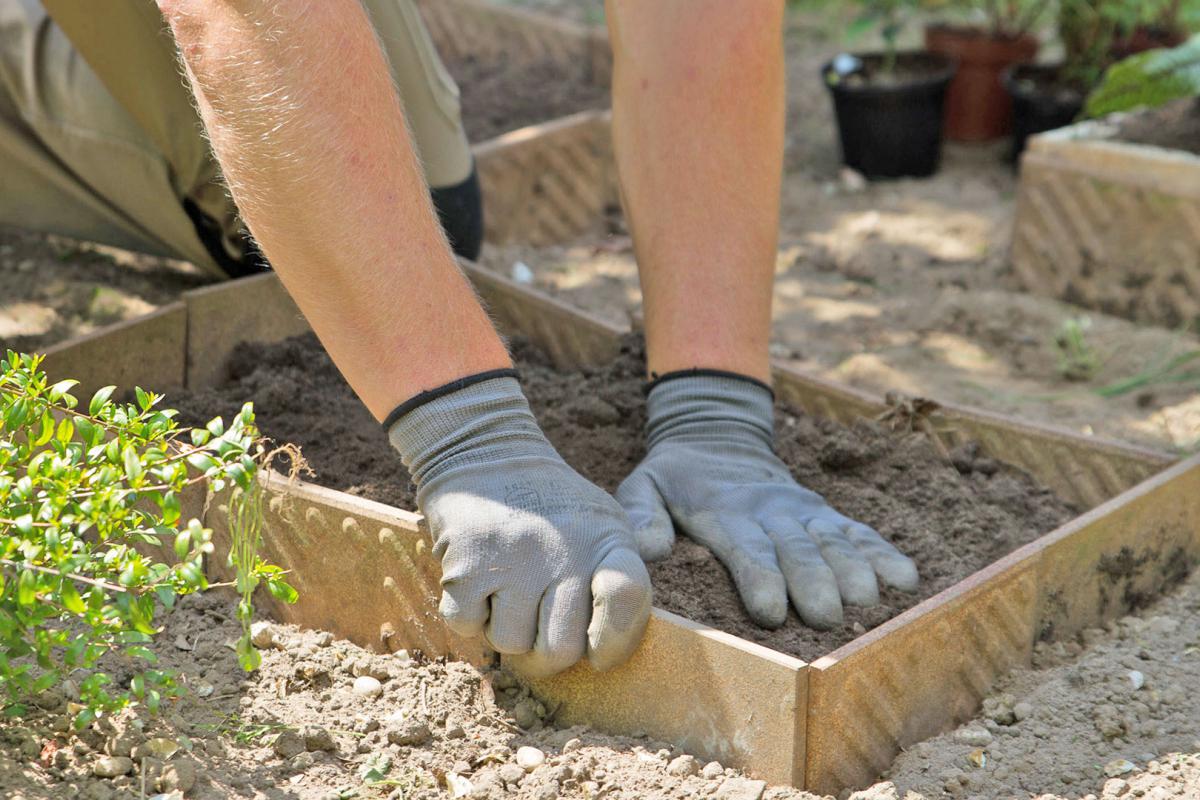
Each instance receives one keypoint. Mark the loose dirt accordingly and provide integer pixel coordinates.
(498, 98)
(52, 289)
(1111, 713)
(953, 518)
(1175, 126)
(299, 728)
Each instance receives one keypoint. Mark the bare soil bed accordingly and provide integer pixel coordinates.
(497, 98)
(1174, 126)
(953, 518)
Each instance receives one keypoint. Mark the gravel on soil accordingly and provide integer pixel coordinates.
(953, 517)
(1110, 713)
(297, 728)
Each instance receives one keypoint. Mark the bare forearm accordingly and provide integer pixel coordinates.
(698, 115)
(306, 124)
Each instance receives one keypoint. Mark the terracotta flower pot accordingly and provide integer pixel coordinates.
(977, 106)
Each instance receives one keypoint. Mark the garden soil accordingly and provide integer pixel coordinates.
(1108, 715)
(304, 726)
(498, 99)
(952, 517)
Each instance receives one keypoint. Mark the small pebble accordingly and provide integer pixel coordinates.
(683, 766)
(511, 773)
(409, 733)
(1136, 679)
(973, 735)
(367, 686)
(530, 758)
(1119, 766)
(739, 788)
(572, 745)
(262, 635)
(524, 713)
(317, 738)
(712, 770)
(1022, 711)
(112, 766)
(288, 744)
(178, 776)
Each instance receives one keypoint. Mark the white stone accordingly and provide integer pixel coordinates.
(530, 758)
(1136, 679)
(367, 686)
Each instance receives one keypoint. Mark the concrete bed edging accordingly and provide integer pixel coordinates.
(834, 723)
(1110, 225)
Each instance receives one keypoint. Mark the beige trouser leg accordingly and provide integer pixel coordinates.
(99, 139)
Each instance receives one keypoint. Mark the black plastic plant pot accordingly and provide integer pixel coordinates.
(890, 123)
(1041, 102)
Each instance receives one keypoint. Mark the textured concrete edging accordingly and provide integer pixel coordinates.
(837, 722)
(1110, 225)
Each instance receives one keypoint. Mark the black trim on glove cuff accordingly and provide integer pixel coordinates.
(453, 386)
(700, 372)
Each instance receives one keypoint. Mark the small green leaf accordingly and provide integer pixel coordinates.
(133, 465)
(100, 400)
(282, 591)
(143, 399)
(71, 599)
(26, 588)
(138, 651)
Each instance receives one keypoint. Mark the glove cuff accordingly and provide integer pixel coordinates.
(709, 406)
(477, 420)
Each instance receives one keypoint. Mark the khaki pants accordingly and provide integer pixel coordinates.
(99, 139)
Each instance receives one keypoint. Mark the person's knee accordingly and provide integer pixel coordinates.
(460, 210)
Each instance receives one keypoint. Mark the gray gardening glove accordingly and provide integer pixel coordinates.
(536, 558)
(711, 469)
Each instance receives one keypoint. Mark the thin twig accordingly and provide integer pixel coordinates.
(112, 587)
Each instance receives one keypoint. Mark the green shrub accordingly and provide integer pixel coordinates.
(1148, 80)
(79, 488)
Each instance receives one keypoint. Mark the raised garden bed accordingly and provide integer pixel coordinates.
(1108, 222)
(834, 722)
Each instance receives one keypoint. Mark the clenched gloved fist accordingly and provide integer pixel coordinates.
(711, 469)
(536, 558)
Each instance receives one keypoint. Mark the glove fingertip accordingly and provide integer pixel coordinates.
(766, 602)
(621, 597)
(900, 573)
(821, 610)
(462, 620)
(655, 540)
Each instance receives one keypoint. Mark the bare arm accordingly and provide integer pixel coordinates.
(306, 124)
(698, 112)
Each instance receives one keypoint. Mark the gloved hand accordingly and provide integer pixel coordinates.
(711, 469)
(535, 557)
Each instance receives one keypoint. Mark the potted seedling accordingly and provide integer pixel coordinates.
(996, 35)
(93, 541)
(889, 104)
(1049, 96)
